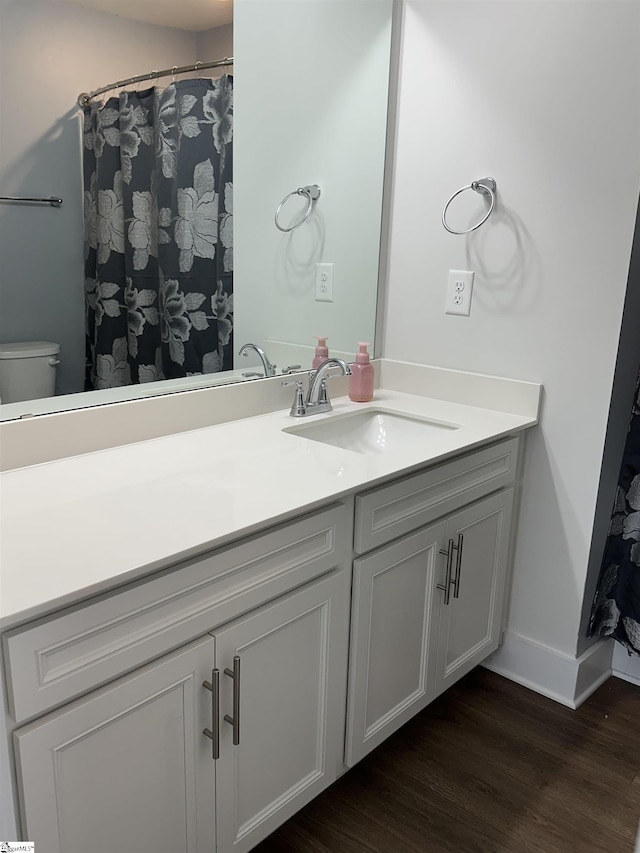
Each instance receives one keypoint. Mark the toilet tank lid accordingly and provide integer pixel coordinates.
(28, 349)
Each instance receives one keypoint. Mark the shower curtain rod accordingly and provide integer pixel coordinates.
(84, 98)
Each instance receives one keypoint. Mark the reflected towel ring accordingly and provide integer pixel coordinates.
(484, 186)
(312, 192)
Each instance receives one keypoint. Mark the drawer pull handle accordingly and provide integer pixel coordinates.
(235, 720)
(456, 580)
(214, 732)
(446, 586)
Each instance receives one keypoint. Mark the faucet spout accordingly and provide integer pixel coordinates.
(317, 398)
(269, 369)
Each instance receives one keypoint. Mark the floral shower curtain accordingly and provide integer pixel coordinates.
(158, 193)
(616, 609)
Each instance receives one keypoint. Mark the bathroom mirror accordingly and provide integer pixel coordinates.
(310, 105)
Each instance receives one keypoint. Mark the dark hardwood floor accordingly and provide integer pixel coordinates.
(489, 767)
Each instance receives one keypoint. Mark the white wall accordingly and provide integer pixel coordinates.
(216, 43)
(544, 97)
(296, 127)
(49, 53)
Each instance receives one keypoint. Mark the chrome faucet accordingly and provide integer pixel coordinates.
(317, 399)
(269, 369)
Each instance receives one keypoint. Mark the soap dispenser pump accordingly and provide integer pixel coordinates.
(322, 352)
(361, 379)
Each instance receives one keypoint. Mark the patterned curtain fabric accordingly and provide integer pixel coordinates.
(158, 198)
(616, 609)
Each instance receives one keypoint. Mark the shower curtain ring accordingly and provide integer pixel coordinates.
(197, 68)
(174, 69)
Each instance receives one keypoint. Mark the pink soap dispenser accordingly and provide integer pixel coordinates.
(361, 379)
(322, 352)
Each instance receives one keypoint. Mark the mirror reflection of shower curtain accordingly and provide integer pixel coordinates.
(158, 206)
(616, 608)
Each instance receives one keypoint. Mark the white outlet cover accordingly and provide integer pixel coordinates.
(459, 292)
(324, 283)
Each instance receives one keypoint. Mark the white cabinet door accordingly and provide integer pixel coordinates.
(410, 637)
(127, 767)
(470, 624)
(292, 660)
(394, 594)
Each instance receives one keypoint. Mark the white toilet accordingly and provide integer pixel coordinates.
(28, 370)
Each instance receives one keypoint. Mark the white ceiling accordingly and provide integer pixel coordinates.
(194, 15)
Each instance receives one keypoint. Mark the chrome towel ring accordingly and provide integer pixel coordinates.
(484, 186)
(312, 192)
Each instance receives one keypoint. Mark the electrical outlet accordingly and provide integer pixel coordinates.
(324, 282)
(459, 290)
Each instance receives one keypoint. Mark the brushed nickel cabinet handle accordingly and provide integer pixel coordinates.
(446, 586)
(214, 732)
(456, 580)
(235, 720)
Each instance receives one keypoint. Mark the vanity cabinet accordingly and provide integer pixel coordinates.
(427, 607)
(131, 760)
(195, 710)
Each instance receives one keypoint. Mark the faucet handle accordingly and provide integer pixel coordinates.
(323, 397)
(298, 408)
(291, 368)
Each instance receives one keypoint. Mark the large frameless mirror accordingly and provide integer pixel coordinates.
(175, 266)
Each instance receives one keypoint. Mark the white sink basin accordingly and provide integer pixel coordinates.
(372, 431)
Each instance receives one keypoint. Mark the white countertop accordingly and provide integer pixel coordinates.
(76, 527)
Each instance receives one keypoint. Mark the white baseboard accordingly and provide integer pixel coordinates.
(552, 673)
(626, 666)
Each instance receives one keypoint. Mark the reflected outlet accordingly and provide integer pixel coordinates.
(324, 282)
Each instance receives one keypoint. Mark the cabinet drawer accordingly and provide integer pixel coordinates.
(387, 512)
(58, 658)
